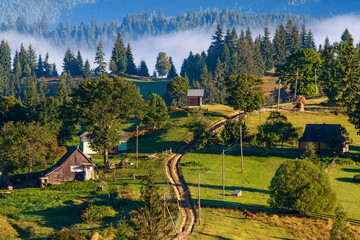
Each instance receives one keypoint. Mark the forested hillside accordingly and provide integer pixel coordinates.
(87, 34)
(32, 10)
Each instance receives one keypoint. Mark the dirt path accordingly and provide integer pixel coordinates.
(181, 189)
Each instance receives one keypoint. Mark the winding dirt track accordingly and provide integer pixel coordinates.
(181, 189)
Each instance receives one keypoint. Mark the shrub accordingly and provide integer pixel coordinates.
(94, 214)
(302, 187)
(357, 178)
(192, 164)
(66, 235)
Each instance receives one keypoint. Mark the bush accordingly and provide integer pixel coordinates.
(302, 187)
(66, 235)
(95, 214)
(357, 178)
(192, 164)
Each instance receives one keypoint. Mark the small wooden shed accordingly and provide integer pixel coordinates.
(5, 182)
(74, 165)
(321, 135)
(195, 97)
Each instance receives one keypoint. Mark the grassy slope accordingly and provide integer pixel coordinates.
(227, 224)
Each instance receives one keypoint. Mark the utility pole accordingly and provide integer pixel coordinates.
(315, 84)
(164, 215)
(296, 82)
(241, 150)
(223, 172)
(137, 146)
(199, 198)
(260, 115)
(278, 102)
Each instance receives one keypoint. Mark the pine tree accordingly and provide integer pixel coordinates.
(295, 39)
(131, 67)
(32, 58)
(42, 88)
(31, 99)
(148, 221)
(47, 66)
(79, 68)
(289, 38)
(118, 62)
(40, 68)
(279, 43)
(23, 58)
(259, 61)
(311, 40)
(349, 73)
(340, 230)
(266, 50)
(87, 71)
(62, 93)
(218, 78)
(231, 40)
(68, 61)
(215, 49)
(154, 75)
(304, 38)
(99, 60)
(207, 83)
(172, 73)
(345, 36)
(5, 68)
(143, 69)
(54, 72)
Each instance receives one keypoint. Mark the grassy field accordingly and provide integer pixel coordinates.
(229, 224)
(258, 172)
(300, 119)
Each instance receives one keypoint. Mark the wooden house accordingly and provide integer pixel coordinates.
(119, 147)
(195, 97)
(321, 135)
(74, 165)
(5, 182)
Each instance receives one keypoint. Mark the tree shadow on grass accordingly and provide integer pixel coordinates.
(348, 180)
(215, 236)
(235, 205)
(232, 188)
(352, 170)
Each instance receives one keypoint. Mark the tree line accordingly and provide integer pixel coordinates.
(231, 53)
(132, 27)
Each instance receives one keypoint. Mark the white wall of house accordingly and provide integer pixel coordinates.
(85, 147)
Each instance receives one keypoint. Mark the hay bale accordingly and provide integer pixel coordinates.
(95, 236)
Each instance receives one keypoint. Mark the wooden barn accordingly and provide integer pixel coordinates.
(321, 135)
(5, 182)
(119, 147)
(74, 165)
(195, 97)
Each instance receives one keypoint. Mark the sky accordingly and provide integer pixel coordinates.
(178, 45)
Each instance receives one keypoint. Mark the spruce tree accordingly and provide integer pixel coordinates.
(143, 69)
(154, 75)
(349, 74)
(118, 62)
(259, 61)
(54, 72)
(218, 78)
(231, 40)
(79, 66)
(40, 68)
(47, 66)
(23, 58)
(279, 43)
(99, 60)
(289, 38)
(266, 50)
(62, 93)
(157, 114)
(5, 68)
(32, 58)
(131, 67)
(148, 221)
(68, 61)
(87, 71)
(172, 73)
(42, 88)
(304, 38)
(31, 99)
(295, 39)
(215, 49)
(345, 36)
(311, 40)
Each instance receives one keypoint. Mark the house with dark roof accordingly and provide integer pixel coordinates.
(74, 165)
(195, 97)
(5, 182)
(119, 147)
(322, 135)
